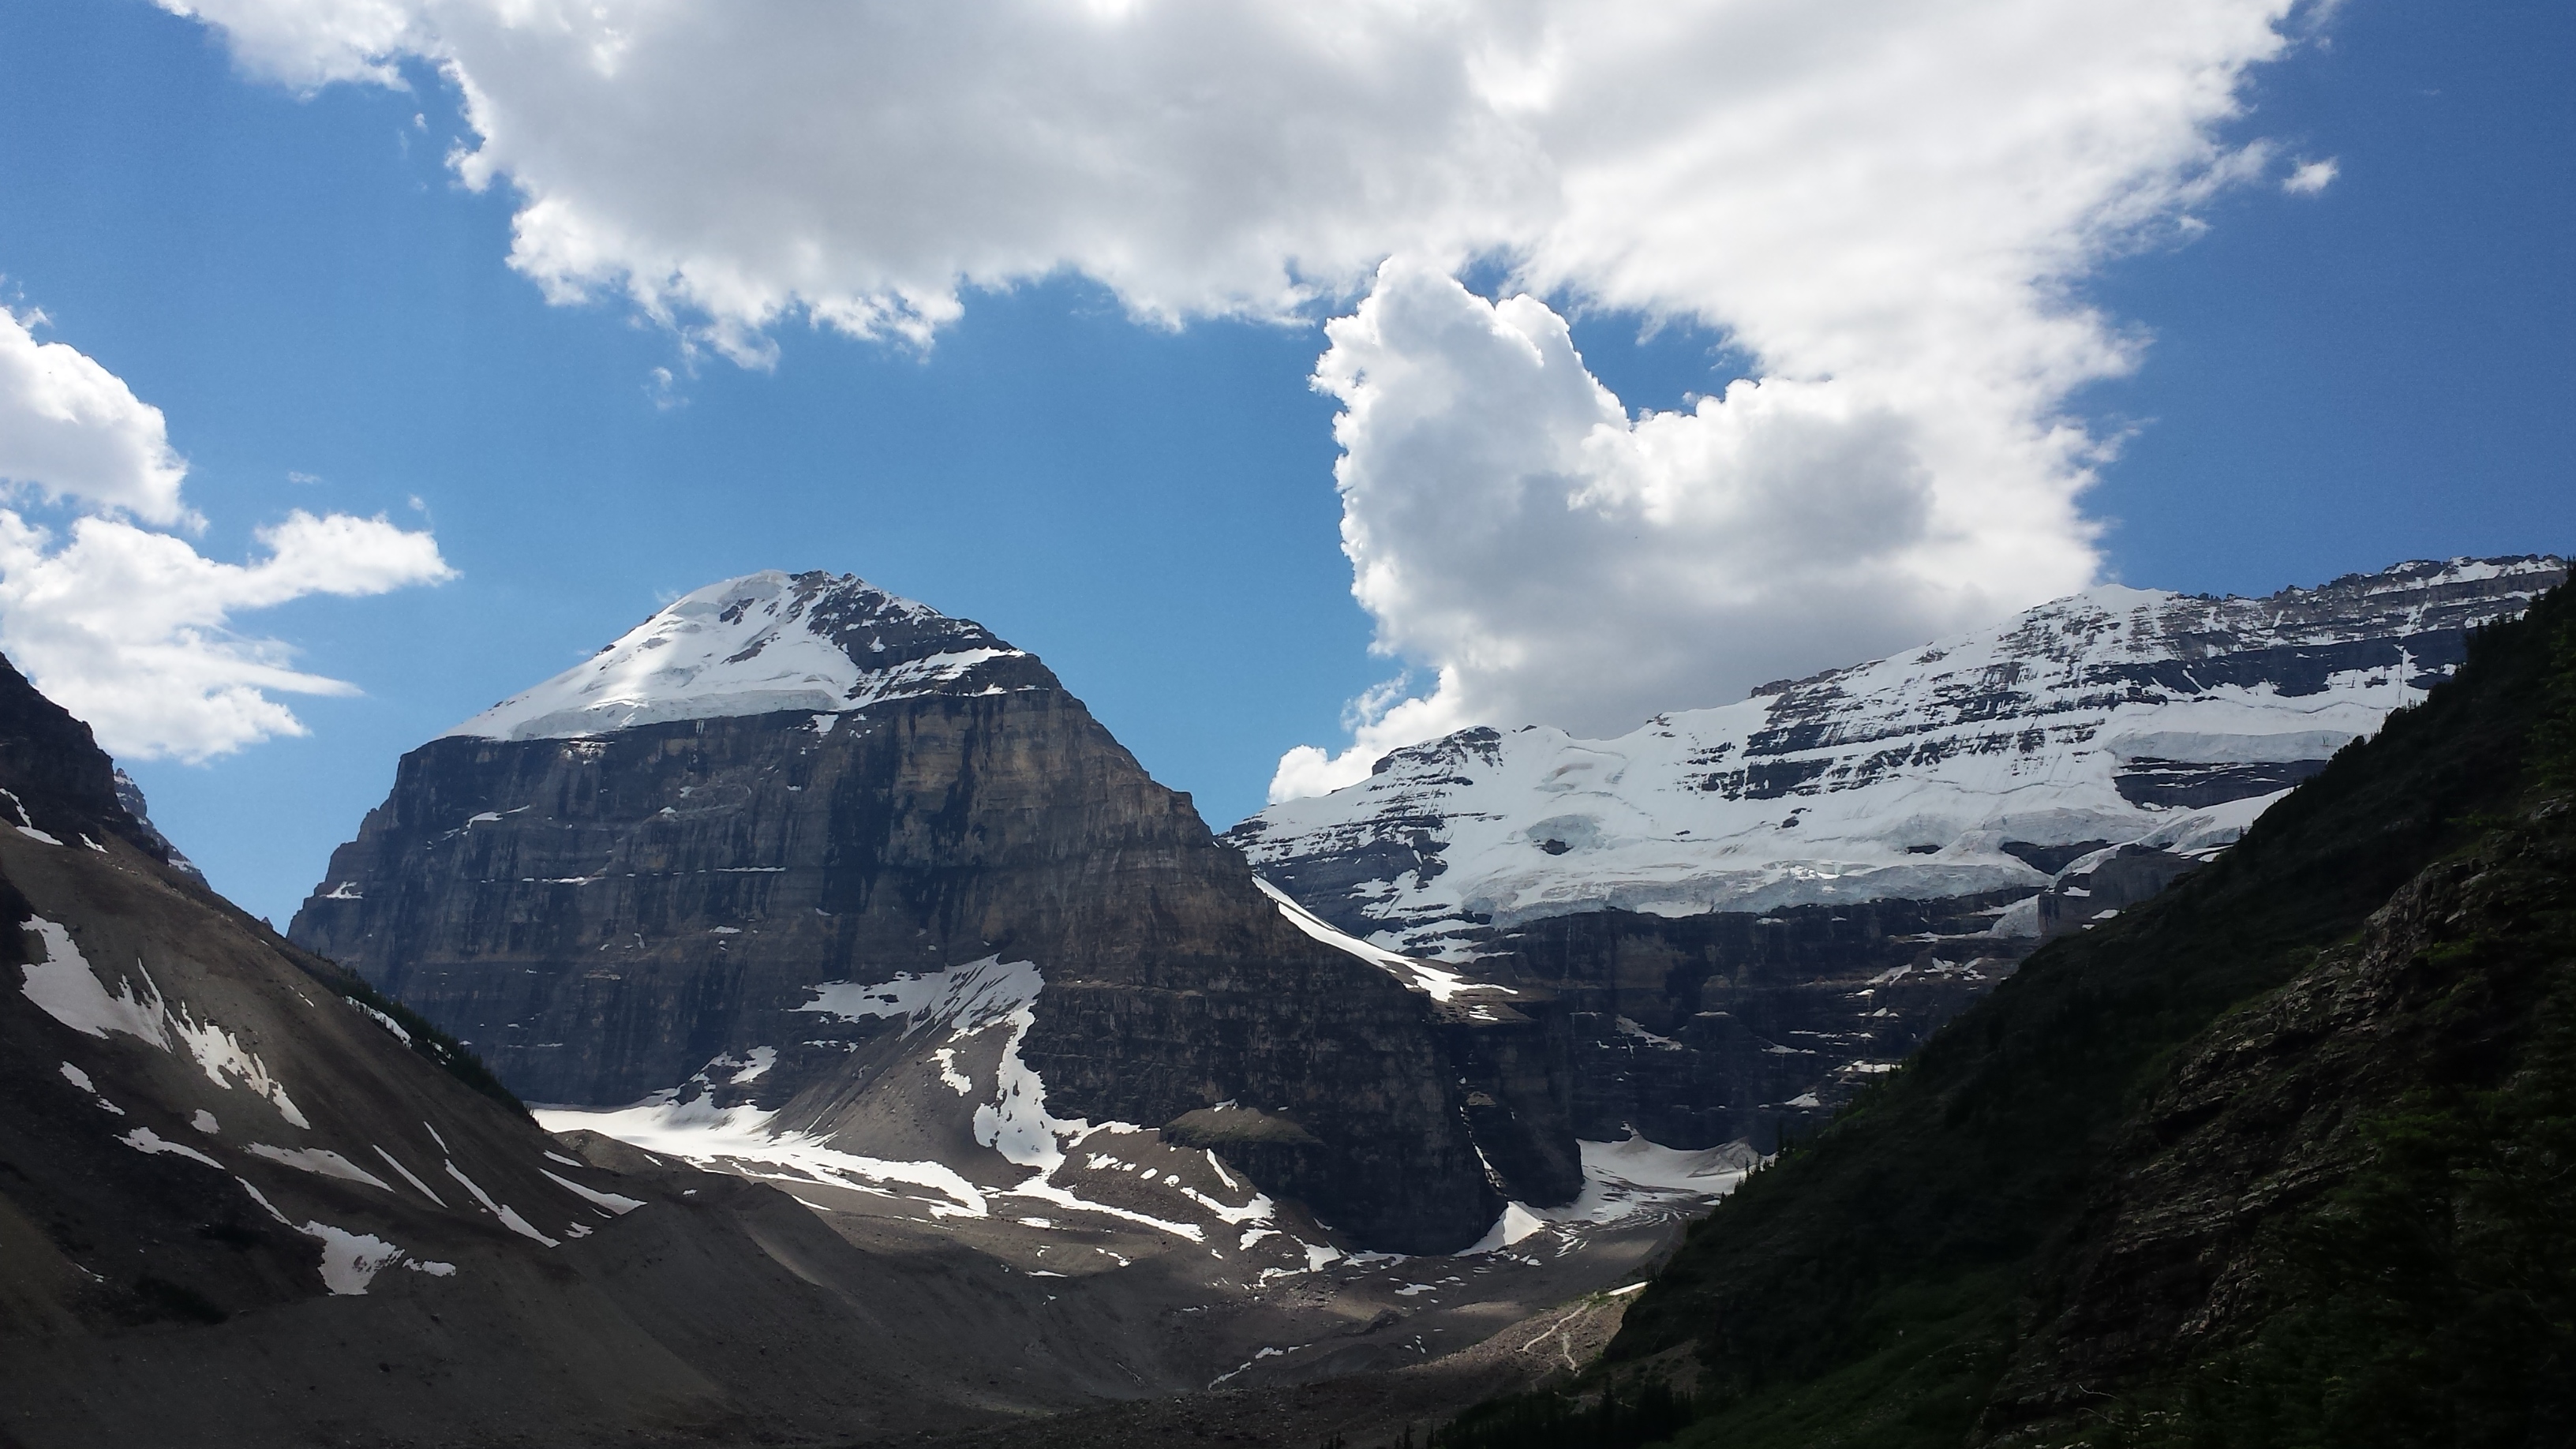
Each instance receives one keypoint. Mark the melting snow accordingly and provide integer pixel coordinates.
(964, 998)
(80, 1079)
(320, 1161)
(1622, 1180)
(617, 1203)
(509, 1218)
(145, 1140)
(964, 1001)
(1439, 985)
(65, 987)
(407, 1176)
(69, 991)
(740, 1140)
(26, 823)
(350, 1261)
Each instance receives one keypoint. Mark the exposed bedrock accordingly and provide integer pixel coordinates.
(602, 916)
(1702, 1030)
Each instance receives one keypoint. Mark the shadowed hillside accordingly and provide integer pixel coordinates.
(2281, 1158)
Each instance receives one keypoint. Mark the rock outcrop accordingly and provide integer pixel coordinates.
(781, 787)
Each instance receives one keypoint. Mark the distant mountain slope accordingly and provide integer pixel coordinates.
(2281, 1158)
(1979, 763)
(733, 857)
(246, 1202)
(1745, 914)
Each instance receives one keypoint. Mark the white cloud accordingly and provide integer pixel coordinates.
(126, 626)
(1748, 162)
(2311, 177)
(74, 431)
(1887, 204)
(1552, 560)
(129, 629)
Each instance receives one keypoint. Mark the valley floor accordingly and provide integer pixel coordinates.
(1091, 1324)
(1363, 1410)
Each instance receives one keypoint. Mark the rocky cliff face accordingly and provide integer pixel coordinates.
(1742, 914)
(782, 792)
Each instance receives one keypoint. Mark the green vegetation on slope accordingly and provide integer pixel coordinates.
(1875, 1286)
(424, 1038)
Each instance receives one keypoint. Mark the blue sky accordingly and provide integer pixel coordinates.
(301, 284)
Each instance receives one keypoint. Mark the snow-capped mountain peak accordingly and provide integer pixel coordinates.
(761, 644)
(1979, 763)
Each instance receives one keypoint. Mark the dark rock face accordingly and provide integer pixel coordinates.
(2190, 785)
(603, 915)
(130, 795)
(1702, 1030)
(56, 778)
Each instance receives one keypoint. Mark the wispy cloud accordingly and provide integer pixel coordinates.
(128, 626)
(2311, 177)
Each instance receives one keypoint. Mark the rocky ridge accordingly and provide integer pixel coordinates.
(679, 869)
(1745, 914)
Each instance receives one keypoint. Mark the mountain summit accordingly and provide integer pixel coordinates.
(763, 643)
(1982, 762)
(818, 869)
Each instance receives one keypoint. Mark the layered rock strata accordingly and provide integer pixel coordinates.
(784, 786)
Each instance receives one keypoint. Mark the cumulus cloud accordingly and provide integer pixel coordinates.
(73, 430)
(1553, 559)
(1888, 205)
(128, 626)
(725, 165)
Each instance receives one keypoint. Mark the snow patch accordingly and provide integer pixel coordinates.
(149, 1142)
(63, 985)
(80, 1079)
(320, 1161)
(614, 1202)
(509, 1217)
(741, 1140)
(350, 1261)
(1439, 985)
(67, 990)
(1622, 1180)
(406, 1173)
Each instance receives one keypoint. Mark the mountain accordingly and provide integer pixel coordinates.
(1748, 913)
(245, 1200)
(2281, 1158)
(819, 870)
